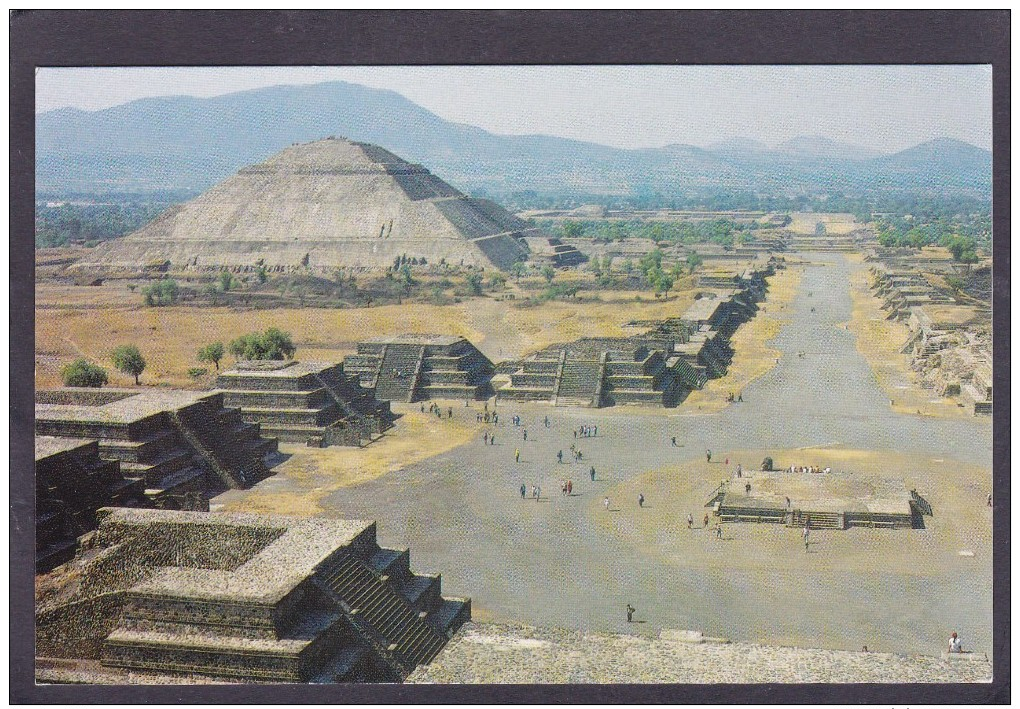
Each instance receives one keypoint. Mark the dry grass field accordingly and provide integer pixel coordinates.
(835, 223)
(83, 321)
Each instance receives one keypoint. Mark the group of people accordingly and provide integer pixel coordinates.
(809, 469)
(586, 432)
(435, 409)
(486, 417)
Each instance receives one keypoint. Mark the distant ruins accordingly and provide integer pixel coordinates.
(328, 204)
(658, 368)
(242, 598)
(168, 449)
(950, 343)
(416, 367)
(309, 402)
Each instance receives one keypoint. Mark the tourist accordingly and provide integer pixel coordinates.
(747, 488)
(570, 487)
(492, 440)
(640, 500)
(630, 613)
(547, 422)
(575, 434)
(605, 503)
(727, 462)
(708, 456)
(705, 523)
(534, 492)
(495, 419)
(559, 456)
(593, 473)
(423, 408)
(989, 499)
(740, 470)
(525, 434)
(596, 433)
(740, 396)
(485, 437)
(674, 441)
(718, 530)
(954, 643)
(806, 534)
(563, 488)
(449, 413)
(788, 503)
(539, 497)
(517, 455)
(690, 521)
(524, 489)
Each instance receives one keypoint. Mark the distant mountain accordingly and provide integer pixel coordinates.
(818, 147)
(182, 142)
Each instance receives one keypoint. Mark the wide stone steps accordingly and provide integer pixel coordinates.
(377, 607)
(402, 361)
(579, 383)
(817, 520)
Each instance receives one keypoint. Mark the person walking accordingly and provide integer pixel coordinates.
(690, 521)
(534, 492)
(708, 456)
(485, 438)
(525, 434)
(640, 500)
(989, 499)
(806, 535)
(592, 473)
(524, 489)
(570, 487)
(630, 613)
(559, 456)
(718, 531)
(705, 523)
(539, 493)
(492, 440)
(605, 503)
(674, 441)
(517, 455)
(547, 422)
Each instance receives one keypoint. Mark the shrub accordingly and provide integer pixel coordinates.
(82, 373)
(196, 372)
(272, 344)
(163, 292)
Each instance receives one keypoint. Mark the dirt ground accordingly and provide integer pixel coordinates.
(835, 223)
(879, 340)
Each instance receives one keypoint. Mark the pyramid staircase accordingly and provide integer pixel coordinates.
(580, 383)
(405, 360)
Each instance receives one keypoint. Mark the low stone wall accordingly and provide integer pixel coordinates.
(514, 654)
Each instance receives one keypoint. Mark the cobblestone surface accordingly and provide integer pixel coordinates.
(517, 654)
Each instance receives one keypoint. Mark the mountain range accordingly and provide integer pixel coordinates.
(188, 143)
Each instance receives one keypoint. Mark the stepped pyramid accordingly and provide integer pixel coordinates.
(322, 205)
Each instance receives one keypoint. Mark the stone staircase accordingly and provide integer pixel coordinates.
(579, 383)
(816, 520)
(404, 360)
(381, 614)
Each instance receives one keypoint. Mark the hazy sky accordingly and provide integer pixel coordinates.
(884, 107)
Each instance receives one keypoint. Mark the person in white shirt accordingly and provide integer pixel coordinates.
(954, 644)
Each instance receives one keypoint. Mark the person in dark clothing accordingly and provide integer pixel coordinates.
(630, 613)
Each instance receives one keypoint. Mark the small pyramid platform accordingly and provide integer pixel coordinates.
(308, 402)
(322, 205)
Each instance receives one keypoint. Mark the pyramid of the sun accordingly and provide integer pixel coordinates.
(323, 205)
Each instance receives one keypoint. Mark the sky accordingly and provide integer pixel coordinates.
(885, 108)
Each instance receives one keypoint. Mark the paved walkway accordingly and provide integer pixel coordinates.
(554, 563)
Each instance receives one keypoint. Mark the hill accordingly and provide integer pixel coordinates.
(182, 142)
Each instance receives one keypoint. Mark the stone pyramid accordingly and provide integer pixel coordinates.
(325, 204)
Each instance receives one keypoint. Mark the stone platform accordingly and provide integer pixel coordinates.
(834, 500)
(246, 598)
(179, 443)
(483, 653)
(309, 402)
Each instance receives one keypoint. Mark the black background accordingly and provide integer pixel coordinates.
(227, 38)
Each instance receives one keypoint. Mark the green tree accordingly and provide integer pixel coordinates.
(226, 281)
(518, 269)
(474, 281)
(129, 360)
(261, 274)
(273, 344)
(497, 281)
(162, 292)
(693, 260)
(406, 275)
(548, 272)
(82, 373)
(572, 229)
(212, 352)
